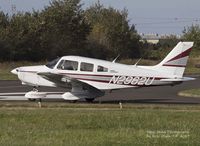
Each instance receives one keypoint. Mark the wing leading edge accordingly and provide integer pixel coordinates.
(78, 88)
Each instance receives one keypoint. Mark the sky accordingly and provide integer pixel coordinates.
(153, 16)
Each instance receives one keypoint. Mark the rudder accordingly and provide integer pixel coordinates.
(176, 60)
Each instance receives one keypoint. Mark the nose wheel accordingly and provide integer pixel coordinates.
(35, 95)
(33, 90)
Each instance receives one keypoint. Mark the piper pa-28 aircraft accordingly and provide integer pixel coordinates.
(89, 78)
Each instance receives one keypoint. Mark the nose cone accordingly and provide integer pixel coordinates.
(15, 71)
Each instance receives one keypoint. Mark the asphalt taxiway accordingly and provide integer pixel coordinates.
(14, 91)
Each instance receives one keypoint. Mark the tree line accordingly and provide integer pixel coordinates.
(64, 28)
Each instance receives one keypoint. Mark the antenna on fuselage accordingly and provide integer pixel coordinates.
(116, 59)
(138, 62)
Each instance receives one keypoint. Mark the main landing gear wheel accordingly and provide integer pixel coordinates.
(31, 99)
(90, 100)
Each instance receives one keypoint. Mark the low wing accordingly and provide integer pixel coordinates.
(68, 82)
(57, 79)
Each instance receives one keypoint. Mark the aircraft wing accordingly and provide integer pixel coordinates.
(57, 79)
(67, 81)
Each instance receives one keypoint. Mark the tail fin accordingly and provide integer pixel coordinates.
(176, 60)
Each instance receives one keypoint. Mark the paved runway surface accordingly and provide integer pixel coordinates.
(14, 91)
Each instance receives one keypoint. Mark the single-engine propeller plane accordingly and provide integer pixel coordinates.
(89, 78)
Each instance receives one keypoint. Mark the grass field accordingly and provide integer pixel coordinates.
(190, 93)
(102, 125)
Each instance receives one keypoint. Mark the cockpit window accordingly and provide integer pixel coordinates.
(87, 67)
(68, 65)
(52, 64)
(102, 69)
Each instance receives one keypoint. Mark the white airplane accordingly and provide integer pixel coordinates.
(89, 78)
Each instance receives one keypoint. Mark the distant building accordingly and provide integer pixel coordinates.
(150, 38)
(155, 38)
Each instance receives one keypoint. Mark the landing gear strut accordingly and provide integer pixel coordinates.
(33, 90)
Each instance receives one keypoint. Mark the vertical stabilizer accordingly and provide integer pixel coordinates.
(176, 60)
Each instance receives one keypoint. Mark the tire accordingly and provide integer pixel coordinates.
(90, 100)
(31, 99)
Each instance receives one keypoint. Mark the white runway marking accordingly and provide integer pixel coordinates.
(19, 96)
(20, 93)
(7, 94)
(16, 98)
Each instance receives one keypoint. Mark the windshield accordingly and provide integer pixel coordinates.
(51, 64)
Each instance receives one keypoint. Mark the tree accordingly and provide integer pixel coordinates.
(193, 34)
(60, 29)
(4, 45)
(110, 29)
(22, 37)
(64, 29)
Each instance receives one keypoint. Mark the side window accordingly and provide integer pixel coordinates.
(68, 65)
(102, 69)
(87, 67)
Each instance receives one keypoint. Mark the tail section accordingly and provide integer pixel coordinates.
(176, 60)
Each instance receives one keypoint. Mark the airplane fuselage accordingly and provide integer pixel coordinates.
(114, 75)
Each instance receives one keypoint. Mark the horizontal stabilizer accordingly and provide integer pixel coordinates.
(178, 79)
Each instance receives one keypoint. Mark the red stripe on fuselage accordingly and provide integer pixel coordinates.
(108, 81)
(171, 65)
(116, 84)
(155, 78)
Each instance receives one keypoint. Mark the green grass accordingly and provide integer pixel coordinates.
(6, 67)
(191, 69)
(80, 125)
(190, 93)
